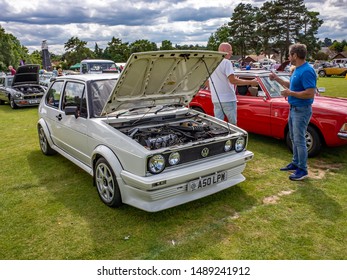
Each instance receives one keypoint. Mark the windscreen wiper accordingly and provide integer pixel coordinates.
(168, 105)
(134, 109)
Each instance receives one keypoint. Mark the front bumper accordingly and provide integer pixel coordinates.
(342, 135)
(27, 102)
(169, 189)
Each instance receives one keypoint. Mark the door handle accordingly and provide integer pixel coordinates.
(59, 117)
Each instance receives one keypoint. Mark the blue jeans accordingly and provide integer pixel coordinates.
(230, 110)
(299, 118)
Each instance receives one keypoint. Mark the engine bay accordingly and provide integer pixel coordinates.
(160, 134)
(30, 89)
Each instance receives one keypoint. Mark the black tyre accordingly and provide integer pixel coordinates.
(106, 184)
(321, 73)
(44, 144)
(313, 142)
(13, 104)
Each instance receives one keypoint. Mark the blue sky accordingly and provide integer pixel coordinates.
(97, 21)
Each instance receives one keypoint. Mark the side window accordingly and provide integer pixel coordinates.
(74, 95)
(2, 81)
(53, 95)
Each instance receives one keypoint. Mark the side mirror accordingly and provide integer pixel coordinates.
(72, 111)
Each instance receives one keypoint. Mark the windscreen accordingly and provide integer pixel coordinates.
(99, 67)
(100, 91)
(273, 87)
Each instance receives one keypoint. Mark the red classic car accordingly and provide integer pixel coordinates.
(264, 111)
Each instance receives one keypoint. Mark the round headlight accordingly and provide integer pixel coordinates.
(240, 144)
(227, 145)
(156, 164)
(174, 158)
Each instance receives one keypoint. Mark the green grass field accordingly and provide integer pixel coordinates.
(335, 86)
(50, 210)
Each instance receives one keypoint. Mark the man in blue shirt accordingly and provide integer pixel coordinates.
(300, 91)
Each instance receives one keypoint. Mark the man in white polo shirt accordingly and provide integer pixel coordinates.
(222, 85)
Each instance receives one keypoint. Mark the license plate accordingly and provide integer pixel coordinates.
(204, 182)
(34, 101)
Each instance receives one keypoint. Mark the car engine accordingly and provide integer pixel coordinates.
(156, 136)
(30, 89)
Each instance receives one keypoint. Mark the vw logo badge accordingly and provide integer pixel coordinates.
(205, 151)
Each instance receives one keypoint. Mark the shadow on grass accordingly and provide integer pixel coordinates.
(149, 233)
(324, 206)
(271, 146)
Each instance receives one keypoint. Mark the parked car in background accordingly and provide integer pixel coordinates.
(5, 83)
(264, 111)
(23, 89)
(97, 66)
(330, 70)
(342, 60)
(137, 138)
(45, 78)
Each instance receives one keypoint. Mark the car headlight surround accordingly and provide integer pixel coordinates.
(174, 158)
(228, 145)
(240, 144)
(156, 164)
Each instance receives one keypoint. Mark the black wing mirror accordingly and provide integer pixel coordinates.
(72, 111)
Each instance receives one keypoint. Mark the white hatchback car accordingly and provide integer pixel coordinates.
(134, 133)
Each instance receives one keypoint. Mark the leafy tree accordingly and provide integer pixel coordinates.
(98, 52)
(166, 45)
(311, 23)
(36, 57)
(321, 56)
(222, 35)
(76, 51)
(338, 46)
(142, 46)
(273, 27)
(117, 51)
(242, 27)
(11, 51)
(327, 42)
(284, 19)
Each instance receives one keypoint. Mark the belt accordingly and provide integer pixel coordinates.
(294, 107)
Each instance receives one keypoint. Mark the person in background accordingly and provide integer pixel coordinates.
(12, 70)
(300, 91)
(60, 72)
(222, 85)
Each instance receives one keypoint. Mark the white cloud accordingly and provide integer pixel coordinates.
(180, 21)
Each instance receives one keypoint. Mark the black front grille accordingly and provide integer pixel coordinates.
(196, 152)
(33, 96)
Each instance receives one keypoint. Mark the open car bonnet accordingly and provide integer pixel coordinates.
(26, 74)
(163, 77)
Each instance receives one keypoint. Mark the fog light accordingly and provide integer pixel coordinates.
(174, 158)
